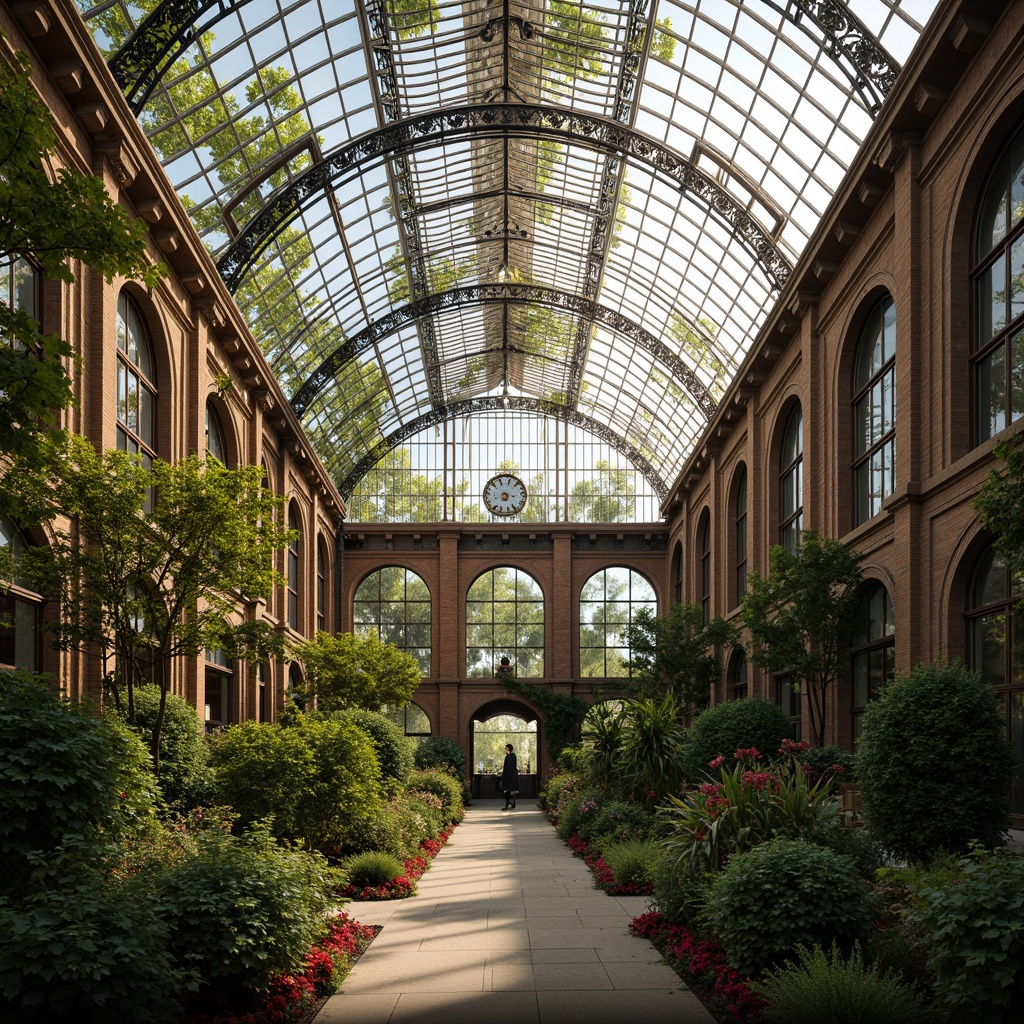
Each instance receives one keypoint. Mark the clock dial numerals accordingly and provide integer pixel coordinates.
(505, 495)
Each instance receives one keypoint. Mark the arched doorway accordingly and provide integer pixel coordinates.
(491, 727)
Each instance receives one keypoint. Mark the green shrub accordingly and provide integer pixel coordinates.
(443, 753)
(319, 779)
(393, 748)
(651, 755)
(736, 725)
(634, 861)
(856, 843)
(822, 760)
(679, 893)
(426, 811)
(87, 952)
(973, 934)
(934, 764)
(572, 759)
(244, 908)
(618, 821)
(386, 831)
(572, 811)
(783, 894)
(185, 778)
(443, 786)
(72, 785)
(586, 814)
(373, 868)
(602, 745)
(829, 987)
(552, 791)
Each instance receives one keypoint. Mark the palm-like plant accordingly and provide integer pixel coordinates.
(603, 731)
(651, 761)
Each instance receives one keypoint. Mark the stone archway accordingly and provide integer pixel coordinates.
(489, 728)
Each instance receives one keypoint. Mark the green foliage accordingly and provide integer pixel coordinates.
(736, 725)
(1000, 503)
(71, 785)
(87, 951)
(551, 792)
(373, 868)
(444, 787)
(618, 821)
(783, 894)
(347, 670)
(148, 586)
(318, 779)
(244, 908)
(829, 987)
(185, 778)
(651, 764)
(802, 616)
(603, 729)
(577, 812)
(441, 753)
(605, 497)
(822, 760)
(973, 932)
(53, 219)
(678, 653)
(634, 861)
(411, 18)
(679, 894)
(934, 764)
(393, 748)
(748, 805)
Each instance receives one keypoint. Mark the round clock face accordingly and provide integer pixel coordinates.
(505, 495)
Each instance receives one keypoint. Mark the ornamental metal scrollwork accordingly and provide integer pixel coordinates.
(496, 120)
(457, 298)
(495, 403)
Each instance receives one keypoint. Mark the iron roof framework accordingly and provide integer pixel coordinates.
(427, 209)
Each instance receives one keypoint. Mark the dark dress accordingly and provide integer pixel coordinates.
(510, 775)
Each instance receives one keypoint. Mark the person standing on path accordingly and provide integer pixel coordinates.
(510, 778)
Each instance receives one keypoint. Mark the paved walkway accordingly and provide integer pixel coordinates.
(508, 929)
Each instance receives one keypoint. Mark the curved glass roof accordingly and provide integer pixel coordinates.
(431, 209)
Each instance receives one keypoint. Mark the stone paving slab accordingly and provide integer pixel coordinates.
(507, 926)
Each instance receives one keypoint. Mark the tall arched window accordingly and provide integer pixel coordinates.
(704, 562)
(216, 444)
(738, 685)
(874, 411)
(505, 618)
(321, 585)
(293, 569)
(609, 601)
(739, 511)
(677, 573)
(411, 719)
(136, 383)
(393, 604)
(873, 650)
(998, 286)
(219, 689)
(20, 611)
(791, 481)
(997, 650)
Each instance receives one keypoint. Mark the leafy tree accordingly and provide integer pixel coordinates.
(51, 218)
(606, 497)
(347, 670)
(1000, 503)
(802, 615)
(677, 653)
(146, 588)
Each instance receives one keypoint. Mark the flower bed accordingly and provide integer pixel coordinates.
(703, 967)
(604, 877)
(291, 997)
(405, 884)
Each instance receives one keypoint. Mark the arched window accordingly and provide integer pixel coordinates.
(791, 481)
(136, 383)
(874, 411)
(998, 286)
(216, 445)
(788, 698)
(262, 703)
(293, 570)
(704, 561)
(738, 686)
(739, 511)
(609, 601)
(873, 651)
(677, 573)
(321, 585)
(411, 719)
(219, 678)
(20, 611)
(997, 650)
(393, 604)
(19, 287)
(505, 618)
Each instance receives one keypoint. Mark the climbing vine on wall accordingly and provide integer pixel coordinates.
(563, 712)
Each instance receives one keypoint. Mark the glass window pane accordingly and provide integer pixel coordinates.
(991, 394)
(989, 648)
(1017, 375)
(991, 296)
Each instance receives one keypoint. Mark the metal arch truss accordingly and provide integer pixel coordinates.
(495, 120)
(495, 403)
(500, 293)
(148, 54)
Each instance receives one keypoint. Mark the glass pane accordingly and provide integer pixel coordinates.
(861, 683)
(989, 648)
(479, 635)
(25, 278)
(481, 588)
(1017, 179)
(131, 403)
(991, 301)
(992, 220)
(989, 581)
(416, 589)
(1017, 278)
(418, 635)
(1017, 375)
(862, 425)
(478, 662)
(991, 394)
(146, 430)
